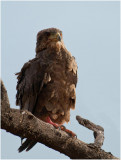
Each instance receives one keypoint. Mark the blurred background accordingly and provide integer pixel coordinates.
(91, 32)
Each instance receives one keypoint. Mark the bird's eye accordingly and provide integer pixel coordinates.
(48, 33)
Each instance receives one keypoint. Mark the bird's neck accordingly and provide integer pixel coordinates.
(53, 47)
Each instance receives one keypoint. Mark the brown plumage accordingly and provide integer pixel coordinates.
(46, 84)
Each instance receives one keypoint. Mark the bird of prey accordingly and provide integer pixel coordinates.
(46, 84)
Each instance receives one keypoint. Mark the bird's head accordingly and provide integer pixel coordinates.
(47, 37)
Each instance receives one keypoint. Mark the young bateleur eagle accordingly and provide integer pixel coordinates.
(46, 84)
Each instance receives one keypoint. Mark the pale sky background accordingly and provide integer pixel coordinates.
(91, 32)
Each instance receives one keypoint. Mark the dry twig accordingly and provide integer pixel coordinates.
(98, 131)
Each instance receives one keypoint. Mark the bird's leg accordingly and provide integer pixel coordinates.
(63, 128)
(48, 120)
(72, 134)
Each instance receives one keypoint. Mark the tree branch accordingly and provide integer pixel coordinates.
(26, 125)
(98, 131)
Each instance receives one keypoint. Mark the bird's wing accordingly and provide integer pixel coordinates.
(72, 67)
(72, 76)
(31, 80)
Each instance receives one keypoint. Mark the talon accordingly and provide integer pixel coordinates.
(70, 133)
(63, 127)
(59, 128)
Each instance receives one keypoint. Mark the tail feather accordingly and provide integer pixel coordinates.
(31, 144)
(28, 144)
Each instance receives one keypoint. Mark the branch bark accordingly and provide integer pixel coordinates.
(26, 125)
(98, 131)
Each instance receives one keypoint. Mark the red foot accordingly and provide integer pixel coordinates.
(48, 120)
(72, 134)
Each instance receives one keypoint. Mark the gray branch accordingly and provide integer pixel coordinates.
(26, 125)
(98, 131)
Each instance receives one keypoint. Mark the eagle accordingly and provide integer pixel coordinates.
(46, 84)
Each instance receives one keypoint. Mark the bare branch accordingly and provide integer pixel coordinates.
(25, 124)
(98, 130)
(4, 96)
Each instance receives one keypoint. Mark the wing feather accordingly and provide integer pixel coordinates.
(31, 79)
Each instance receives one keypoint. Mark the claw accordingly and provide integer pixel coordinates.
(70, 133)
(61, 127)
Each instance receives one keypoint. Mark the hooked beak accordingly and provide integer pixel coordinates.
(59, 37)
(55, 37)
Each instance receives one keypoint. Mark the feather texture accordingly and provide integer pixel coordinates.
(46, 84)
